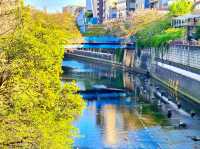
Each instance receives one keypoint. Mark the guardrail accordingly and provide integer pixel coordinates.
(185, 43)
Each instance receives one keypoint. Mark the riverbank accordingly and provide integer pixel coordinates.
(131, 121)
(132, 70)
(106, 62)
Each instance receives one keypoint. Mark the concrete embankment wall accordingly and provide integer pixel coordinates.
(176, 78)
(172, 73)
(179, 69)
(125, 57)
(127, 63)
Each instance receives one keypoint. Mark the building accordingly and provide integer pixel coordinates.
(109, 9)
(139, 4)
(75, 10)
(89, 5)
(100, 9)
(189, 21)
(126, 6)
(158, 4)
(81, 21)
(96, 7)
(146, 3)
(105, 10)
(154, 3)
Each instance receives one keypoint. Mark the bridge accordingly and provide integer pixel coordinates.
(99, 93)
(106, 48)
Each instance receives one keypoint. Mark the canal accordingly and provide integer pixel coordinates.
(127, 110)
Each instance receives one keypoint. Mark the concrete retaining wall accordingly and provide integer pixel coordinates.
(185, 84)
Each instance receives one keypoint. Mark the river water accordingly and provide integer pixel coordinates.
(132, 119)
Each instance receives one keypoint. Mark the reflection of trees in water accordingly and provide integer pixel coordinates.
(99, 117)
(150, 112)
(112, 79)
(130, 119)
(115, 119)
(128, 81)
(109, 76)
(110, 127)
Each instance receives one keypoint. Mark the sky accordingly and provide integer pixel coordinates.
(54, 5)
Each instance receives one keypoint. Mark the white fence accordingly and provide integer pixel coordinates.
(185, 55)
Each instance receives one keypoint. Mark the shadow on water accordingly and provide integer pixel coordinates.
(120, 107)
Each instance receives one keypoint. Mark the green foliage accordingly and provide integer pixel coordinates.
(125, 28)
(145, 35)
(163, 39)
(36, 109)
(198, 33)
(88, 14)
(96, 30)
(180, 7)
(119, 55)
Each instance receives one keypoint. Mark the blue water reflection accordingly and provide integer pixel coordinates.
(125, 122)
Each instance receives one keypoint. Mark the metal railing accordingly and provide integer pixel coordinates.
(184, 55)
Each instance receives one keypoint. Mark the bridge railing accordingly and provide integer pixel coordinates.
(105, 56)
(185, 43)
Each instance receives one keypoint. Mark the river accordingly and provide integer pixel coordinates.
(132, 119)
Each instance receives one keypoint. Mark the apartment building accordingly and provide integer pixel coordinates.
(89, 5)
(75, 10)
(96, 7)
(157, 4)
(105, 10)
(100, 10)
(110, 9)
(124, 7)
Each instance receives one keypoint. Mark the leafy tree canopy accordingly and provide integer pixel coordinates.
(198, 33)
(145, 35)
(163, 39)
(36, 109)
(180, 7)
(88, 14)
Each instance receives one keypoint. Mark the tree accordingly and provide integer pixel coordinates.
(161, 41)
(36, 110)
(198, 33)
(168, 35)
(88, 14)
(180, 7)
(145, 35)
(125, 28)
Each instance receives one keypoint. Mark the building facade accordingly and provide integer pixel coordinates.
(110, 9)
(125, 7)
(75, 10)
(100, 10)
(94, 8)
(105, 10)
(97, 9)
(140, 4)
(158, 4)
(89, 5)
